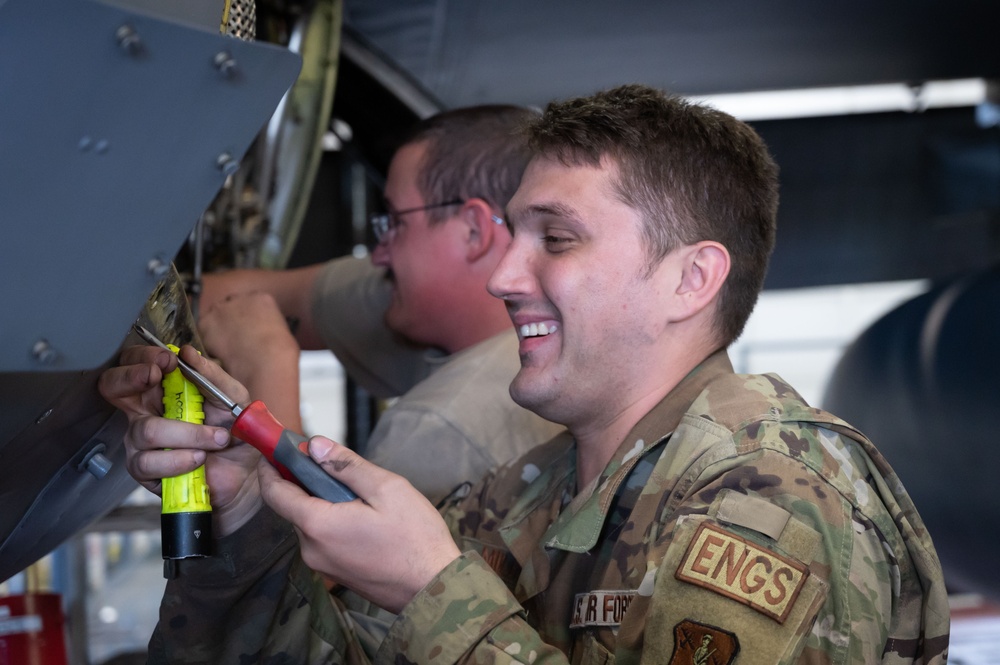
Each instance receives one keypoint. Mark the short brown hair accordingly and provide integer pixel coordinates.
(693, 173)
(472, 152)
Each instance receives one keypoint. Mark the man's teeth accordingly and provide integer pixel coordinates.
(537, 329)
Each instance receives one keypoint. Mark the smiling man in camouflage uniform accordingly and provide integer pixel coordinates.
(689, 515)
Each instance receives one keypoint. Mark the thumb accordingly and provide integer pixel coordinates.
(363, 477)
(320, 448)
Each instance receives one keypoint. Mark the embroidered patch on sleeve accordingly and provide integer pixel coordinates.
(503, 564)
(744, 571)
(700, 644)
(600, 608)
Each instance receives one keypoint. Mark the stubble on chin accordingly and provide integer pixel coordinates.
(529, 393)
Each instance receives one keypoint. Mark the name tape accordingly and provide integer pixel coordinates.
(600, 608)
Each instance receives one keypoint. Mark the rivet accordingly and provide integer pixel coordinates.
(227, 164)
(225, 63)
(157, 267)
(43, 352)
(128, 39)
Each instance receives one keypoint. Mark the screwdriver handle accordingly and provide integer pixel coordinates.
(282, 448)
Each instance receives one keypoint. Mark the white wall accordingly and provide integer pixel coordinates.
(800, 334)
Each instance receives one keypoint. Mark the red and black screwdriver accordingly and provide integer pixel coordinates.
(255, 425)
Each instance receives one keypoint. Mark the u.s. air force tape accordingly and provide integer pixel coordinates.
(600, 608)
(734, 567)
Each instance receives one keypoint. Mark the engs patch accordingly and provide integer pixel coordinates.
(744, 571)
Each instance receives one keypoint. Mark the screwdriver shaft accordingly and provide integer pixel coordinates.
(192, 374)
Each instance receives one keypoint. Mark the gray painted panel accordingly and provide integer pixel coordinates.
(108, 155)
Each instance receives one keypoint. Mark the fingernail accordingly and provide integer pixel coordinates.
(319, 448)
(163, 359)
(200, 456)
(221, 437)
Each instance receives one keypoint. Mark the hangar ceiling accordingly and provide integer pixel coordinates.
(867, 197)
(528, 52)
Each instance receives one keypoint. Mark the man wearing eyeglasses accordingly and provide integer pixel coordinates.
(416, 321)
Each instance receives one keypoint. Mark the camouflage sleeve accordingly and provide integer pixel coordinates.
(465, 615)
(249, 603)
(766, 559)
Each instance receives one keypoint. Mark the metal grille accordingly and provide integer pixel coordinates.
(242, 21)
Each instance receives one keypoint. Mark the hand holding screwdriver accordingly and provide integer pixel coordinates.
(255, 425)
(387, 547)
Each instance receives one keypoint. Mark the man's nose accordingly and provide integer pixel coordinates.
(510, 277)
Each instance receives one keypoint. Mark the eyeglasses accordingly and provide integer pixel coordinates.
(385, 223)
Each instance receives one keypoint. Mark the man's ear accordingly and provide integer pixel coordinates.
(704, 268)
(479, 227)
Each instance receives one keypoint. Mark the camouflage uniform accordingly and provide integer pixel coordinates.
(759, 531)
(734, 524)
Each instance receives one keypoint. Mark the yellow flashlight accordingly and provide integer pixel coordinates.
(186, 517)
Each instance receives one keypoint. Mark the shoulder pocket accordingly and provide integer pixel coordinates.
(718, 587)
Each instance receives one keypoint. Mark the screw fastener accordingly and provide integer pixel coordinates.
(128, 39)
(227, 164)
(157, 267)
(43, 352)
(225, 63)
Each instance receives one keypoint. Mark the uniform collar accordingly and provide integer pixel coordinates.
(579, 522)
